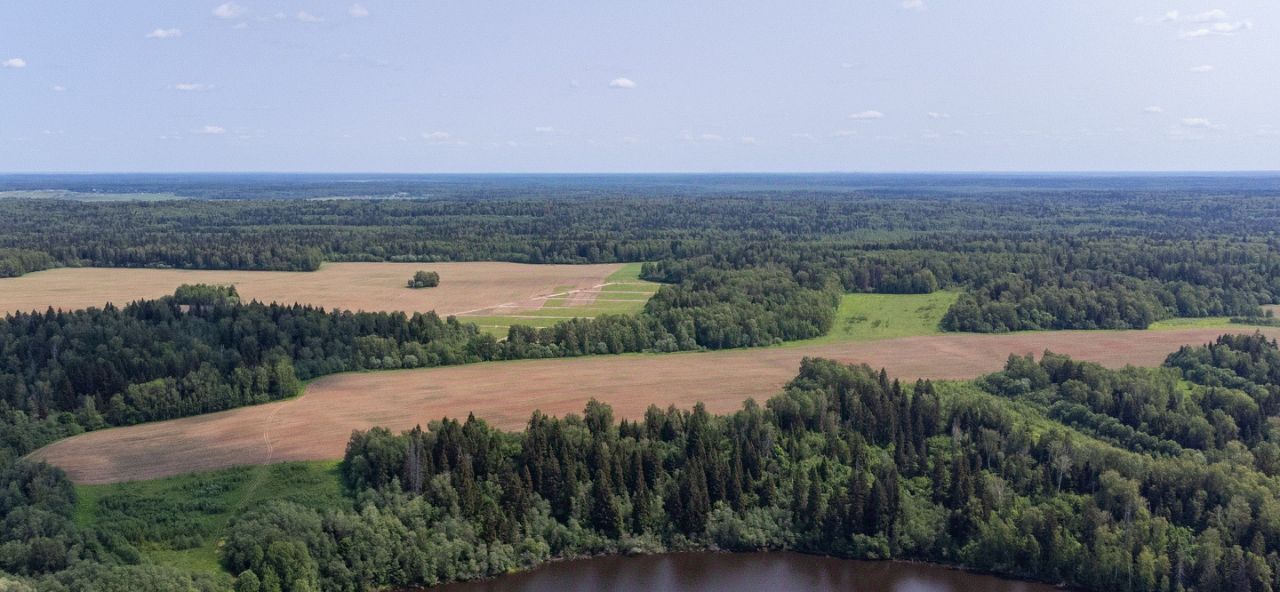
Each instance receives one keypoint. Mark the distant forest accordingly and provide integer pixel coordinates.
(1023, 257)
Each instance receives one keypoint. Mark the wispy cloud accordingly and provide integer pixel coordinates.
(1154, 110)
(1200, 69)
(58, 88)
(357, 11)
(229, 10)
(211, 130)
(622, 83)
(916, 5)
(165, 34)
(866, 115)
(938, 115)
(192, 86)
(14, 63)
(1224, 29)
(1207, 16)
(307, 17)
(1199, 122)
(704, 137)
(441, 137)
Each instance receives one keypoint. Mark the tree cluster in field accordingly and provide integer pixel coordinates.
(424, 279)
(1050, 259)
(845, 462)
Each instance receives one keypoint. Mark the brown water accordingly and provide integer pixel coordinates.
(746, 572)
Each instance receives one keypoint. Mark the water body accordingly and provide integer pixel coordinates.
(743, 572)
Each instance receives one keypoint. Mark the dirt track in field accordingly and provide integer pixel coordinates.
(318, 424)
(350, 286)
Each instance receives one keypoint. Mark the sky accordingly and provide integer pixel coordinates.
(427, 86)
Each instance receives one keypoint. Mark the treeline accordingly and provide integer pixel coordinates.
(845, 462)
(16, 262)
(203, 350)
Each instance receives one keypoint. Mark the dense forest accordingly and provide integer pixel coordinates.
(845, 462)
(1155, 479)
(1024, 258)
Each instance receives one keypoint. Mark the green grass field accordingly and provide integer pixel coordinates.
(623, 293)
(867, 317)
(179, 520)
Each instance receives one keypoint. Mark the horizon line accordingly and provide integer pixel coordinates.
(1081, 172)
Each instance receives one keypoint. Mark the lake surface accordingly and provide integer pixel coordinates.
(743, 572)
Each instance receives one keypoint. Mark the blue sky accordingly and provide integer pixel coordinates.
(607, 85)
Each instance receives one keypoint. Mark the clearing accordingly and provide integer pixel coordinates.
(180, 520)
(868, 317)
(464, 287)
(623, 292)
(317, 425)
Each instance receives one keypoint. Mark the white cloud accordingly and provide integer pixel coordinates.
(211, 130)
(622, 83)
(192, 86)
(844, 133)
(710, 137)
(1223, 29)
(1207, 16)
(229, 10)
(938, 115)
(14, 63)
(307, 17)
(1198, 122)
(1154, 110)
(165, 34)
(748, 140)
(58, 88)
(1200, 69)
(437, 137)
(546, 129)
(357, 11)
(866, 115)
(916, 5)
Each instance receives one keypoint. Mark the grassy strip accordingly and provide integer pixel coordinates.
(625, 293)
(869, 317)
(179, 521)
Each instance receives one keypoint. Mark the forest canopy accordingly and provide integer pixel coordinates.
(1024, 258)
(1174, 489)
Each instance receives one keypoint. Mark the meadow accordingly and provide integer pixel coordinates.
(622, 292)
(179, 520)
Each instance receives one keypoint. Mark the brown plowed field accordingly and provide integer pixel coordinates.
(350, 286)
(317, 425)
